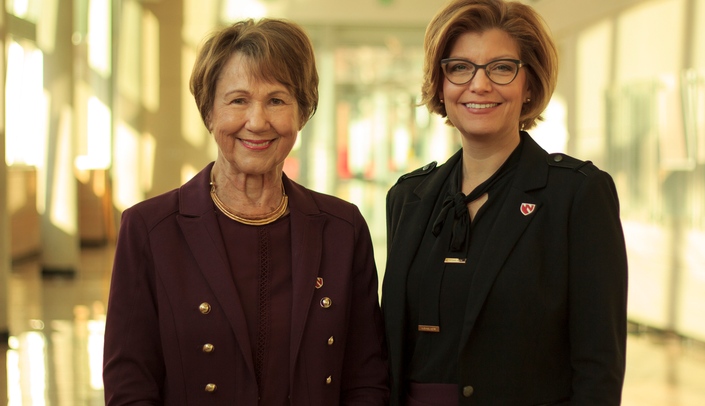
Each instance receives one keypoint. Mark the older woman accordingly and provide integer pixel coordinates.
(242, 287)
(506, 275)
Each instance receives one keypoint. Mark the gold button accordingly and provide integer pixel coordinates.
(211, 387)
(204, 308)
(467, 391)
(326, 302)
(558, 158)
(208, 347)
(331, 340)
(329, 380)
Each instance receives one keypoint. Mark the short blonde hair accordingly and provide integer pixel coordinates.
(536, 48)
(278, 50)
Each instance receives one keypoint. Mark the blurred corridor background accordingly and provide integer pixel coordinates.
(96, 116)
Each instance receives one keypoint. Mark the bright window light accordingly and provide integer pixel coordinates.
(25, 107)
(99, 45)
(238, 9)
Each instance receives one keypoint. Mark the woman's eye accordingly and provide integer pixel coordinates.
(277, 102)
(459, 67)
(238, 101)
(502, 67)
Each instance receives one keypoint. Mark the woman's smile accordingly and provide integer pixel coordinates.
(256, 144)
(480, 106)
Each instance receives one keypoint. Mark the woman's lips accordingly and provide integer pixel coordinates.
(252, 144)
(481, 105)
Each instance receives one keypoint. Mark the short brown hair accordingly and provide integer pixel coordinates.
(277, 49)
(536, 48)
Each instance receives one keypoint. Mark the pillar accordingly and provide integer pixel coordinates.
(59, 223)
(4, 227)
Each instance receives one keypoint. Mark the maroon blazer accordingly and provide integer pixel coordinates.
(172, 293)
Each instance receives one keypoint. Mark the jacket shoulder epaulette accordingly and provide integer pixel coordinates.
(561, 160)
(424, 170)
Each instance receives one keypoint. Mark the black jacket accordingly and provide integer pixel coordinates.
(545, 321)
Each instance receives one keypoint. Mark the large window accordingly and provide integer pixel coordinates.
(640, 113)
(25, 106)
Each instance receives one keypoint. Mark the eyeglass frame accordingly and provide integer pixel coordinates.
(444, 62)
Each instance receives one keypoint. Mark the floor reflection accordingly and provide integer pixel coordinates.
(54, 354)
(55, 350)
(664, 369)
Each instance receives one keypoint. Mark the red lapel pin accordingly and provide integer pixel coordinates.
(527, 208)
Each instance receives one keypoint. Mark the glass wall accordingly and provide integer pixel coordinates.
(374, 129)
(640, 114)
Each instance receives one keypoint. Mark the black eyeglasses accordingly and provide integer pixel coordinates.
(500, 71)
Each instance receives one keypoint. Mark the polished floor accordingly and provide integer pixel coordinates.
(55, 350)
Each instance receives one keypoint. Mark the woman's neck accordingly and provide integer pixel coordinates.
(247, 194)
(482, 159)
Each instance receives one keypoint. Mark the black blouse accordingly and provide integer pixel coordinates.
(439, 281)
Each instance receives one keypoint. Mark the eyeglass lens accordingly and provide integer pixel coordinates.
(500, 72)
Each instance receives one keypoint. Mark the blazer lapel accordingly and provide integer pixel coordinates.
(412, 224)
(510, 225)
(202, 233)
(516, 213)
(306, 248)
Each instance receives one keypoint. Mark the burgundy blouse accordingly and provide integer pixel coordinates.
(260, 260)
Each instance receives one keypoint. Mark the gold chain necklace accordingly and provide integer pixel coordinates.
(256, 221)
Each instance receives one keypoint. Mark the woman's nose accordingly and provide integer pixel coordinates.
(257, 118)
(481, 82)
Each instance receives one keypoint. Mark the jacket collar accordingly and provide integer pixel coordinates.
(195, 199)
(531, 173)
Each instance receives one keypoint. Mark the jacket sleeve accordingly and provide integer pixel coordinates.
(133, 366)
(364, 379)
(597, 293)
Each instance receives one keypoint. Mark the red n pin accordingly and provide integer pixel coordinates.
(527, 208)
(319, 282)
